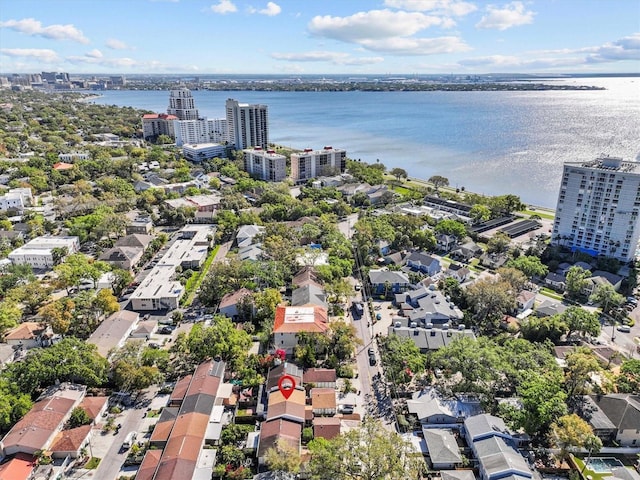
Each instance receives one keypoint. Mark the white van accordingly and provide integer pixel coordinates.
(129, 439)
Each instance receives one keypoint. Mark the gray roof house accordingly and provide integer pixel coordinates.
(426, 338)
(431, 409)
(423, 262)
(379, 279)
(623, 410)
(246, 234)
(443, 449)
(429, 306)
(491, 442)
(309, 295)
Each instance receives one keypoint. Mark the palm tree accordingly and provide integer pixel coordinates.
(593, 444)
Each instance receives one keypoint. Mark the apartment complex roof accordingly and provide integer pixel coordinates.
(113, 331)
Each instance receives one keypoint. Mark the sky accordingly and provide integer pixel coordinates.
(295, 37)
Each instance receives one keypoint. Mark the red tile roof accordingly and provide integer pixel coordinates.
(180, 390)
(323, 398)
(19, 467)
(300, 319)
(326, 427)
(320, 375)
(281, 429)
(25, 331)
(149, 465)
(70, 440)
(62, 166)
(93, 405)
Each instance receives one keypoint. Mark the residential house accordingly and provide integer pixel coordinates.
(320, 377)
(548, 308)
(423, 263)
(306, 276)
(251, 252)
(39, 427)
(16, 199)
(145, 329)
(602, 426)
(466, 252)
(290, 321)
(113, 332)
(457, 475)
(557, 281)
(446, 242)
(493, 261)
(94, 407)
(30, 335)
(429, 306)
(601, 277)
(623, 411)
(525, 301)
(134, 240)
(70, 443)
(309, 295)
(278, 430)
(493, 446)
(18, 467)
(385, 282)
(246, 234)
(230, 303)
(431, 408)
(124, 258)
(442, 448)
(323, 401)
(285, 368)
(326, 427)
(141, 225)
(292, 408)
(458, 272)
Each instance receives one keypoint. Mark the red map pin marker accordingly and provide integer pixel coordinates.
(287, 385)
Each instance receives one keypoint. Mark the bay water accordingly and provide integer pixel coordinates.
(490, 142)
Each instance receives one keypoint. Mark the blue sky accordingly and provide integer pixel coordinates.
(319, 36)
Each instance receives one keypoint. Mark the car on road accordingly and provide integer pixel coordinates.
(624, 328)
(372, 360)
(371, 352)
(167, 330)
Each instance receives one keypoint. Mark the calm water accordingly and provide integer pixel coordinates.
(489, 142)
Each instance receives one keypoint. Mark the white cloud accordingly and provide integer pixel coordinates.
(627, 48)
(374, 24)
(271, 10)
(511, 15)
(41, 54)
(95, 53)
(115, 44)
(418, 46)
(444, 7)
(223, 7)
(337, 58)
(31, 26)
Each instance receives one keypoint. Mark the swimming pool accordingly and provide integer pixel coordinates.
(604, 464)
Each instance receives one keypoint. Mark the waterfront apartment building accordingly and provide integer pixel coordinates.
(156, 124)
(598, 206)
(247, 125)
(182, 104)
(317, 163)
(265, 164)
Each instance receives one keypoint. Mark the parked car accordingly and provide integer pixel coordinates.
(624, 328)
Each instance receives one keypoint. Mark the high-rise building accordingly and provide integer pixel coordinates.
(247, 125)
(156, 124)
(598, 207)
(265, 164)
(317, 163)
(182, 105)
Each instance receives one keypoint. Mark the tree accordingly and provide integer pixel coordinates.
(577, 319)
(58, 314)
(499, 243)
(543, 402)
(607, 297)
(537, 329)
(576, 281)
(402, 359)
(70, 360)
(451, 227)
(490, 300)
(78, 418)
(513, 277)
(581, 365)
(530, 265)
(399, 173)
(106, 302)
(438, 181)
(369, 452)
(10, 315)
(283, 457)
(593, 444)
(13, 404)
(628, 381)
(569, 432)
(480, 213)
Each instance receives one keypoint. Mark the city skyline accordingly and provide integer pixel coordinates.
(326, 36)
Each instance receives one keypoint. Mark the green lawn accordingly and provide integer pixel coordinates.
(540, 213)
(197, 278)
(551, 293)
(93, 463)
